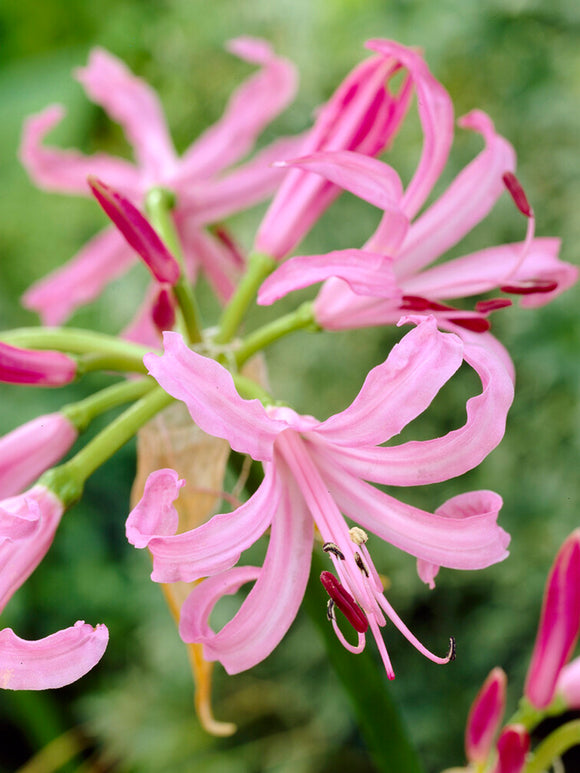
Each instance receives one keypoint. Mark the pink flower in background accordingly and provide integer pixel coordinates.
(314, 472)
(29, 450)
(205, 191)
(559, 624)
(485, 717)
(35, 368)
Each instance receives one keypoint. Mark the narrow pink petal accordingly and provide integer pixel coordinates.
(559, 624)
(135, 106)
(251, 108)
(141, 329)
(421, 462)
(485, 716)
(473, 542)
(400, 389)
(468, 199)
(29, 450)
(369, 179)
(154, 514)
(366, 273)
(66, 171)
(436, 115)
(34, 367)
(81, 280)
(137, 231)
(513, 746)
(51, 662)
(214, 546)
(568, 685)
(18, 559)
(272, 604)
(204, 251)
(208, 390)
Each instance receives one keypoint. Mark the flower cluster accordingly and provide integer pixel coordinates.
(317, 489)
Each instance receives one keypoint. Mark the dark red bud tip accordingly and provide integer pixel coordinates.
(516, 191)
(530, 286)
(345, 602)
(163, 310)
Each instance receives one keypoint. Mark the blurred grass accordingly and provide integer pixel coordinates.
(517, 60)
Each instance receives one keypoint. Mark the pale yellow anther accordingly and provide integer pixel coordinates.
(358, 535)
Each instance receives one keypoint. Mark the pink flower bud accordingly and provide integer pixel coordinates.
(27, 526)
(29, 450)
(559, 624)
(568, 685)
(163, 310)
(512, 747)
(39, 368)
(485, 716)
(140, 235)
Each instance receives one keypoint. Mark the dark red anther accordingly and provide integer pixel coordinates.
(485, 307)
(344, 601)
(530, 286)
(475, 324)
(163, 310)
(516, 191)
(418, 303)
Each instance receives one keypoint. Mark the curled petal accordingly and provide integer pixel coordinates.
(154, 515)
(485, 716)
(272, 604)
(208, 390)
(81, 280)
(135, 106)
(31, 449)
(559, 624)
(51, 662)
(66, 171)
(37, 368)
(366, 273)
(398, 390)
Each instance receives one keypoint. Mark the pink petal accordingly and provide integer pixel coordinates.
(568, 685)
(212, 547)
(250, 109)
(137, 231)
(513, 746)
(559, 624)
(366, 273)
(473, 542)
(398, 390)
(485, 716)
(66, 171)
(468, 199)
(436, 114)
(51, 662)
(208, 390)
(422, 462)
(367, 178)
(18, 559)
(135, 106)
(34, 367)
(154, 514)
(204, 251)
(141, 329)
(272, 604)
(29, 450)
(81, 280)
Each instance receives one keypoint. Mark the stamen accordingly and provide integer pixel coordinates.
(530, 286)
(475, 324)
(493, 304)
(516, 191)
(358, 535)
(359, 562)
(331, 547)
(345, 602)
(451, 653)
(330, 610)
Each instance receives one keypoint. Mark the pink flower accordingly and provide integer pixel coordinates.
(313, 472)
(559, 624)
(485, 716)
(29, 450)
(37, 368)
(205, 192)
(51, 662)
(362, 115)
(568, 684)
(512, 747)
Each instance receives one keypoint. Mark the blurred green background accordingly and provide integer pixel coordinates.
(517, 60)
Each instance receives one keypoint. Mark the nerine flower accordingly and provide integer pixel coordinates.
(406, 243)
(314, 472)
(27, 526)
(206, 189)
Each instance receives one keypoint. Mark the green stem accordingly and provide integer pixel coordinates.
(75, 341)
(249, 389)
(84, 411)
(114, 362)
(159, 204)
(530, 717)
(259, 267)
(378, 718)
(301, 318)
(554, 746)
